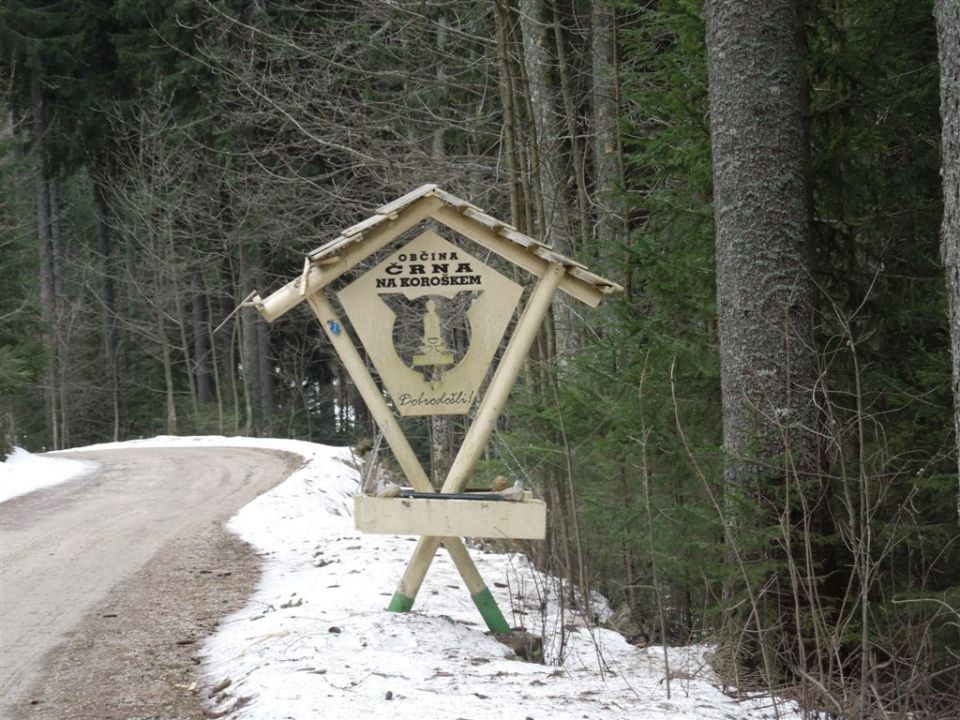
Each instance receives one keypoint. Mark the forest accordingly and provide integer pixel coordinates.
(754, 444)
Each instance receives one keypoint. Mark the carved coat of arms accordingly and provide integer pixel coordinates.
(431, 317)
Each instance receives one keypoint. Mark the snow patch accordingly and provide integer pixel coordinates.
(315, 641)
(23, 472)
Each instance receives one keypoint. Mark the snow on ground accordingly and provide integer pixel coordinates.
(23, 472)
(315, 641)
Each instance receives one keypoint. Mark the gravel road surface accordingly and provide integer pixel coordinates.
(108, 583)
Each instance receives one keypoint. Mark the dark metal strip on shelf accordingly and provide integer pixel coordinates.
(473, 495)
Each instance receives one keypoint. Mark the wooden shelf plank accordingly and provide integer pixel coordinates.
(451, 518)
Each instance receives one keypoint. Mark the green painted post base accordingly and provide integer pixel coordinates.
(490, 611)
(400, 603)
(484, 601)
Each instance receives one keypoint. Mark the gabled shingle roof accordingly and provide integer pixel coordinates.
(355, 234)
(330, 261)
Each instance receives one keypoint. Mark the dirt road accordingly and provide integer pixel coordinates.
(108, 582)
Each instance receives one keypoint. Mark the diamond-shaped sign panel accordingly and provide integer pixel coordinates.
(431, 317)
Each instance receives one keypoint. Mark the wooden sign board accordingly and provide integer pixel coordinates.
(452, 518)
(431, 317)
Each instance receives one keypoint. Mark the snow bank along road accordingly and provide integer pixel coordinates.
(64, 548)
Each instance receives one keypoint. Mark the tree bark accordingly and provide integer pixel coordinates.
(214, 363)
(201, 339)
(267, 400)
(183, 322)
(48, 287)
(545, 169)
(265, 363)
(109, 300)
(609, 226)
(947, 13)
(549, 164)
(172, 426)
(62, 330)
(765, 293)
(509, 85)
(765, 304)
(570, 91)
(249, 346)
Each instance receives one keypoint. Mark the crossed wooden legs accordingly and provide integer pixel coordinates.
(492, 404)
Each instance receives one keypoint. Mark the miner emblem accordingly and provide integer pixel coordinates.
(431, 317)
(431, 333)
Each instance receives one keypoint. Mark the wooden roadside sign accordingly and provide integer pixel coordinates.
(431, 315)
(405, 310)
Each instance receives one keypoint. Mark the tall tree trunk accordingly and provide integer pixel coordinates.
(231, 350)
(544, 170)
(947, 13)
(63, 327)
(108, 299)
(250, 346)
(214, 364)
(765, 293)
(47, 251)
(268, 401)
(181, 320)
(57, 236)
(183, 323)
(231, 343)
(511, 92)
(609, 226)
(764, 289)
(570, 93)
(250, 359)
(549, 154)
(265, 360)
(172, 426)
(201, 339)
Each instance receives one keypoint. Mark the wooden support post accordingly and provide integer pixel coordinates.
(413, 576)
(406, 593)
(427, 547)
(503, 379)
(369, 391)
(493, 400)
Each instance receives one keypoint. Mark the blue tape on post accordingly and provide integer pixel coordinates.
(334, 326)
